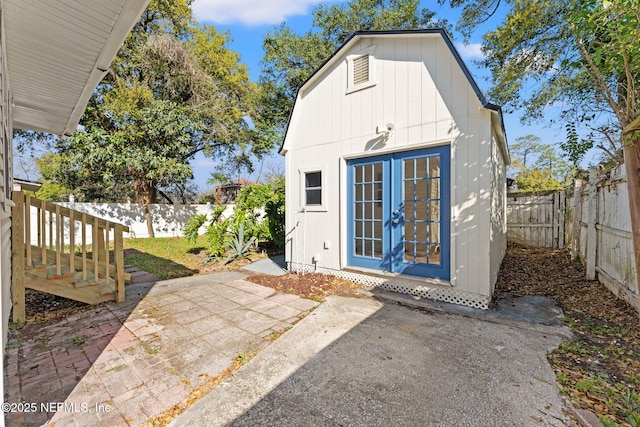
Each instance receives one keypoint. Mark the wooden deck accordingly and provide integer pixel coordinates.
(36, 278)
(46, 235)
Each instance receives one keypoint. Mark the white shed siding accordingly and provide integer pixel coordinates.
(498, 211)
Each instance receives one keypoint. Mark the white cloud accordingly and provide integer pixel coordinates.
(201, 163)
(249, 12)
(470, 51)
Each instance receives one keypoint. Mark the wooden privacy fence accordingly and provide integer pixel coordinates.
(537, 218)
(52, 254)
(594, 220)
(601, 232)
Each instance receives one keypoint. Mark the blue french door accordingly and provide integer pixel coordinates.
(399, 212)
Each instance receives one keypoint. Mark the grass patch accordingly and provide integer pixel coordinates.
(166, 257)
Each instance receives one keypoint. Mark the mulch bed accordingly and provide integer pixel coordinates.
(314, 286)
(599, 369)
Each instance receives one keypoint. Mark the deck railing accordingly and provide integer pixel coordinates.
(58, 237)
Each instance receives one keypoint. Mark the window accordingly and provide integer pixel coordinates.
(313, 188)
(360, 70)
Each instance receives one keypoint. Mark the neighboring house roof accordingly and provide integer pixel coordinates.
(25, 184)
(236, 183)
(496, 116)
(57, 53)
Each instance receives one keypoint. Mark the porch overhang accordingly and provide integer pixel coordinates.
(57, 53)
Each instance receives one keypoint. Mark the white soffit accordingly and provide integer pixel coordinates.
(57, 53)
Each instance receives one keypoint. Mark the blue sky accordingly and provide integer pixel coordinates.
(248, 21)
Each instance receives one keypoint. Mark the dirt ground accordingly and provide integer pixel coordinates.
(598, 370)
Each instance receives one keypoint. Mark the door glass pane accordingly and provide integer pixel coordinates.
(368, 248)
(409, 190)
(377, 211)
(408, 252)
(421, 211)
(434, 232)
(421, 189)
(409, 169)
(358, 210)
(377, 191)
(409, 214)
(368, 173)
(358, 173)
(359, 192)
(358, 247)
(421, 167)
(358, 228)
(368, 229)
(377, 248)
(434, 166)
(377, 229)
(368, 195)
(421, 253)
(434, 188)
(368, 211)
(421, 232)
(434, 254)
(434, 210)
(377, 172)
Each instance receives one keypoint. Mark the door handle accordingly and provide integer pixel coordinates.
(396, 221)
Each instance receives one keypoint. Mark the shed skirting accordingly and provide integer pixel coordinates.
(420, 289)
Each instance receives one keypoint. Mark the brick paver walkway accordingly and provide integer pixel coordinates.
(120, 364)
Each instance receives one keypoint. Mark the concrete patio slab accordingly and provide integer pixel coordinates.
(121, 364)
(274, 265)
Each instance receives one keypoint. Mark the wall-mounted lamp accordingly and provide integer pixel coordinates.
(386, 129)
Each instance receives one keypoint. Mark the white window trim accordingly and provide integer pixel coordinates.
(322, 207)
(372, 78)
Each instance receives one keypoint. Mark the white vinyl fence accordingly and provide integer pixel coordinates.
(168, 220)
(594, 221)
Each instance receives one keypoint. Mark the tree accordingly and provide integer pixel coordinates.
(174, 90)
(291, 58)
(583, 54)
(536, 165)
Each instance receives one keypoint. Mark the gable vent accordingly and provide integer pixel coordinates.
(361, 69)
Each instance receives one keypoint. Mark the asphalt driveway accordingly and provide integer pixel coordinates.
(369, 362)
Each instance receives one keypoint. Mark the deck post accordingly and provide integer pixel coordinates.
(119, 261)
(17, 254)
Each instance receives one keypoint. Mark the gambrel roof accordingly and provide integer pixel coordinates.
(57, 53)
(496, 110)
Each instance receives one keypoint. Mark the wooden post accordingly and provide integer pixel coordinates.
(84, 246)
(59, 243)
(17, 257)
(72, 241)
(592, 216)
(118, 258)
(95, 248)
(562, 212)
(554, 219)
(27, 229)
(43, 223)
(577, 216)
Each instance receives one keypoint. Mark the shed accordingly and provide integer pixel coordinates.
(395, 166)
